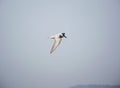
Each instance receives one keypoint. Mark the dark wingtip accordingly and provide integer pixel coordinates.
(50, 52)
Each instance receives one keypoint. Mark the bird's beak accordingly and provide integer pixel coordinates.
(65, 36)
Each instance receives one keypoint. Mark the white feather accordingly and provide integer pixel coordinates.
(57, 41)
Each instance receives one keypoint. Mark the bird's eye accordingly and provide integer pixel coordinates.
(60, 36)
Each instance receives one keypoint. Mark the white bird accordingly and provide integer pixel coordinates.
(57, 39)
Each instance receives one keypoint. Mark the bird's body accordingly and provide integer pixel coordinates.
(57, 40)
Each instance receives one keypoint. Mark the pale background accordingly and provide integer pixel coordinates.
(89, 55)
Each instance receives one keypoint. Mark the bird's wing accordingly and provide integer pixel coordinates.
(56, 43)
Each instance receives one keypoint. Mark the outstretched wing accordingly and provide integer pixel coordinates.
(55, 45)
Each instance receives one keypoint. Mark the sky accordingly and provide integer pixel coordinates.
(89, 55)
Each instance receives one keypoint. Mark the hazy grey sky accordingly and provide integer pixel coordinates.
(89, 55)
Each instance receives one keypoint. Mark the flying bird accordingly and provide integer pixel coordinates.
(57, 39)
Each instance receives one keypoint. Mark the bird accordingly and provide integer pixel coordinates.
(57, 40)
